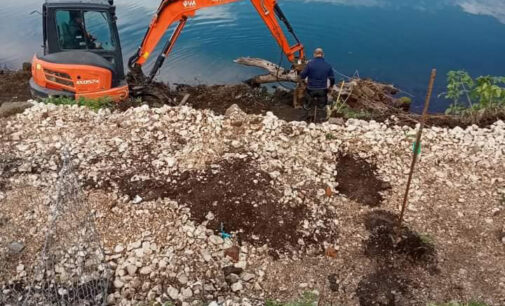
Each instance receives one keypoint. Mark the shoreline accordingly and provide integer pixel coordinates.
(218, 98)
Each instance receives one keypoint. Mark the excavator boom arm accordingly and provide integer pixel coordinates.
(171, 11)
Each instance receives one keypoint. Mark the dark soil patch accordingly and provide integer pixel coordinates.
(500, 235)
(14, 86)
(219, 98)
(8, 168)
(240, 199)
(389, 244)
(332, 280)
(384, 287)
(395, 250)
(357, 179)
(483, 119)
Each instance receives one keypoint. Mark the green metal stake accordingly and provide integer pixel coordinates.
(417, 144)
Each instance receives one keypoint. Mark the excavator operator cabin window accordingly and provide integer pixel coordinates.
(98, 26)
(70, 29)
(84, 30)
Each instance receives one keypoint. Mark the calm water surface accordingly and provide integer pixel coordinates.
(396, 41)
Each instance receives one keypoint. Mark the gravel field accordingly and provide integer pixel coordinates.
(193, 208)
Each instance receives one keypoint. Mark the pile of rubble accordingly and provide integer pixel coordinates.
(195, 207)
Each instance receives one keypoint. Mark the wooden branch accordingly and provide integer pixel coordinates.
(275, 72)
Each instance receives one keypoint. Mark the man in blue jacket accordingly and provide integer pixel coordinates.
(318, 72)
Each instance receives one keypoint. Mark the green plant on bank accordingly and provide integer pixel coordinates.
(94, 104)
(307, 299)
(350, 113)
(471, 303)
(482, 93)
(340, 107)
(405, 100)
(330, 136)
(427, 239)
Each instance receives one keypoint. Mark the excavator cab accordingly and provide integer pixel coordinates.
(82, 53)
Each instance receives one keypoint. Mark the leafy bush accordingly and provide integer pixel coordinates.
(94, 104)
(483, 93)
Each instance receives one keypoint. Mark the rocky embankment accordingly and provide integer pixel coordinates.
(239, 209)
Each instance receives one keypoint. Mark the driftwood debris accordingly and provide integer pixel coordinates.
(358, 93)
(275, 72)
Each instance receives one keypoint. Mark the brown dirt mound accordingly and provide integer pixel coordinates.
(392, 245)
(14, 86)
(219, 98)
(357, 179)
(241, 200)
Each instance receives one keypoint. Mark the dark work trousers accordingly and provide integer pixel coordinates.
(315, 104)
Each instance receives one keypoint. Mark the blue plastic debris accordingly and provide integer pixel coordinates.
(224, 234)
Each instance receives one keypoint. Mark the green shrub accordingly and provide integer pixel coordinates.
(330, 136)
(94, 104)
(405, 100)
(486, 93)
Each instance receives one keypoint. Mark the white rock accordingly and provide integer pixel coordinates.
(209, 216)
(236, 144)
(171, 162)
(183, 279)
(131, 269)
(187, 293)
(173, 293)
(216, 240)
(206, 256)
(236, 286)
(247, 277)
(137, 199)
(145, 270)
(118, 283)
(20, 268)
(118, 249)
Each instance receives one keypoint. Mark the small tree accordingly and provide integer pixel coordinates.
(485, 92)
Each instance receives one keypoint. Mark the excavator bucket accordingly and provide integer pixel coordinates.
(299, 93)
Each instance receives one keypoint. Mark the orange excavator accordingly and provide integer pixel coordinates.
(82, 52)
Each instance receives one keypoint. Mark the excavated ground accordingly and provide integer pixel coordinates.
(300, 201)
(357, 179)
(234, 196)
(14, 86)
(397, 253)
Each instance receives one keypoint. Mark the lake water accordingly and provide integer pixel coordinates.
(396, 41)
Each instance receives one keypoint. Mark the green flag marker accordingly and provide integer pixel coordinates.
(418, 149)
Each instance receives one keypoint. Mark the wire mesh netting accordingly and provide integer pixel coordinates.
(70, 269)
